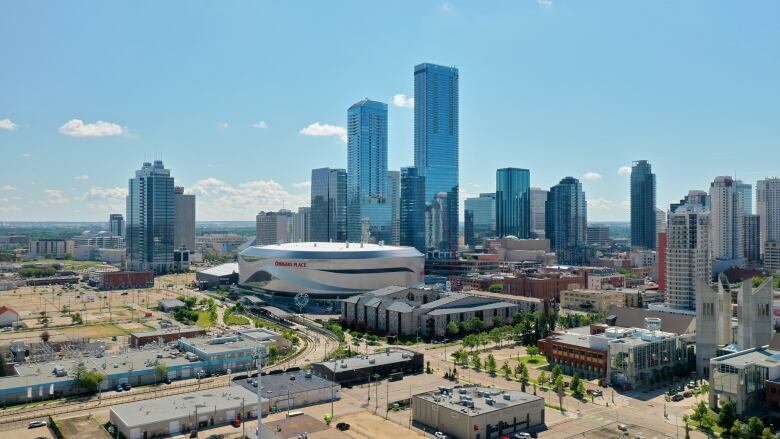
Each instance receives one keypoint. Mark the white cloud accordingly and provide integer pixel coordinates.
(592, 176)
(5, 206)
(403, 101)
(318, 129)
(447, 8)
(77, 128)
(7, 188)
(224, 125)
(25, 155)
(545, 3)
(7, 124)
(219, 200)
(55, 196)
(302, 184)
(105, 193)
(603, 204)
(82, 177)
(624, 171)
(260, 124)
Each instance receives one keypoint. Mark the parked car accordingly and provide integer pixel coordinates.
(167, 381)
(127, 386)
(622, 427)
(342, 426)
(119, 388)
(688, 394)
(235, 422)
(597, 393)
(440, 435)
(36, 424)
(521, 435)
(677, 397)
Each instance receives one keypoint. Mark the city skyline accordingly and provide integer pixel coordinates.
(224, 127)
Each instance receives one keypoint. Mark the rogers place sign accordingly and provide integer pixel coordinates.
(290, 264)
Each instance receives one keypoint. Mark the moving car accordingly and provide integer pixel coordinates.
(36, 424)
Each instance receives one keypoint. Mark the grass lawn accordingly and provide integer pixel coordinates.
(235, 319)
(536, 361)
(204, 319)
(68, 264)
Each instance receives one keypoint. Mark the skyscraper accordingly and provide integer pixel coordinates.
(436, 150)
(368, 210)
(726, 220)
(538, 199)
(513, 202)
(273, 227)
(116, 224)
(643, 221)
(150, 219)
(566, 221)
(768, 206)
(184, 223)
(479, 218)
(412, 214)
(328, 205)
(752, 239)
(301, 225)
(394, 198)
(688, 259)
(746, 189)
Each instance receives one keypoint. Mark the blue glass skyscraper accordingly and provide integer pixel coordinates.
(412, 209)
(369, 214)
(150, 219)
(328, 205)
(566, 222)
(643, 233)
(436, 148)
(513, 202)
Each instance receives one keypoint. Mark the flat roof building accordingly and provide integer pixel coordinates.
(298, 388)
(356, 370)
(165, 335)
(224, 274)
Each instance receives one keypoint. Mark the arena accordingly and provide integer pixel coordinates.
(329, 269)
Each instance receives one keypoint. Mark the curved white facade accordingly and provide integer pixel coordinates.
(329, 269)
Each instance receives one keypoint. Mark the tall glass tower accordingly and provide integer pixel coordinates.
(479, 218)
(436, 148)
(566, 222)
(513, 202)
(643, 233)
(412, 221)
(328, 221)
(150, 219)
(369, 214)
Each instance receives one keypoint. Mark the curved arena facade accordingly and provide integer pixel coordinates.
(329, 269)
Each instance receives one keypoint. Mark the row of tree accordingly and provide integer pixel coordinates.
(727, 419)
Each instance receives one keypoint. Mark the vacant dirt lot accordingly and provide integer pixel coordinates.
(82, 427)
(368, 426)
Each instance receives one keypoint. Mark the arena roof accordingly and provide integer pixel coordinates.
(330, 250)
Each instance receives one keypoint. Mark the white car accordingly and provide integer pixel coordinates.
(522, 436)
(440, 435)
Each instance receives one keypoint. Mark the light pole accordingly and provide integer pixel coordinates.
(259, 392)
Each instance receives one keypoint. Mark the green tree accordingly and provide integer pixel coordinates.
(490, 364)
(90, 380)
(497, 321)
(737, 429)
(2, 365)
(476, 324)
(476, 363)
(533, 351)
(452, 329)
(506, 370)
(161, 370)
(701, 414)
(541, 380)
(687, 427)
(767, 434)
(470, 341)
(556, 372)
(755, 427)
(496, 288)
(727, 415)
(577, 387)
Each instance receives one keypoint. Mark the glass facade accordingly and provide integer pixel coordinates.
(368, 211)
(479, 218)
(412, 209)
(513, 202)
(394, 198)
(643, 233)
(566, 222)
(150, 219)
(328, 220)
(436, 149)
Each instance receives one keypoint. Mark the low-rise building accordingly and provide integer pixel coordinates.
(478, 412)
(592, 300)
(225, 274)
(174, 415)
(741, 377)
(50, 248)
(121, 280)
(166, 335)
(356, 370)
(292, 390)
(169, 305)
(8, 316)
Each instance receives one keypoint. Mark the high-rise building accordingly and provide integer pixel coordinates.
(746, 189)
(394, 198)
(436, 149)
(116, 224)
(726, 220)
(772, 257)
(693, 197)
(688, 258)
(412, 215)
(538, 199)
(768, 207)
(301, 225)
(660, 221)
(328, 205)
(368, 210)
(566, 221)
(273, 227)
(643, 219)
(150, 219)
(184, 223)
(598, 234)
(513, 202)
(752, 239)
(479, 218)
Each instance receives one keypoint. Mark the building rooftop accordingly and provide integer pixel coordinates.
(477, 307)
(166, 331)
(575, 339)
(296, 382)
(222, 270)
(259, 334)
(226, 343)
(393, 355)
(172, 303)
(764, 355)
(179, 406)
(500, 399)
(635, 318)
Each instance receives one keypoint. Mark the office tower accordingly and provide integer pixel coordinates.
(694, 197)
(598, 234)
(752, 239)
(480, 218)
(301, 225)
(368, 211)
(713, 320)
(643, 220)
(660, 221)
(661, 260)
(726, 221)
(184, 223)
(116, 224)
(746, 189)
(328, 205)
(273, 227)
(150, 219)
(412, 216)
(538, 199)
(754, 314)
(513, 202)
(436, 150)
(688, 258)
(768, 207)
(566, 220)
(394, 198)
(772, 257)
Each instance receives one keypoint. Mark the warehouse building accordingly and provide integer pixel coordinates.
(225, 274)
(478, 412)
(356, 370)
(173, 415)
(166, 335)
(291, 390)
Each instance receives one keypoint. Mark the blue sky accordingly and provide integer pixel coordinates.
(226, 93)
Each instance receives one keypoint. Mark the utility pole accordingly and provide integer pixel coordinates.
(259, 392)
